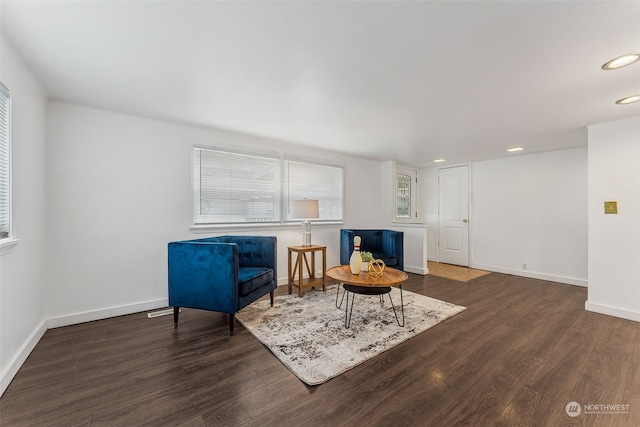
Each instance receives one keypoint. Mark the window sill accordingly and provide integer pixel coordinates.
(7, 245)
(209, 228)
(409, 224)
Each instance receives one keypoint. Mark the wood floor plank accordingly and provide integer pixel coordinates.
(606, 369)
(531, 408)
(632, 391)
(520, 352)
(243, 409)
(308, 408)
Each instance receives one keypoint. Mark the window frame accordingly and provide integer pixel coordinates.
(197, 174)
(7, 242)
(284, 207)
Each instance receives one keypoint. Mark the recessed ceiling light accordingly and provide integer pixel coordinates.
(514, 149)
(621, 61)
(439, 160)
(628, 100)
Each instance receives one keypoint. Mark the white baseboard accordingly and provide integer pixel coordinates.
(612, 311)
(89, 316)
(416, 270)
(532, 275)
(21, 356)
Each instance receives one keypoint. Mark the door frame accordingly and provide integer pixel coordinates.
(469, 206)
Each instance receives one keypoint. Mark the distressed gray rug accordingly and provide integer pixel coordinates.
(309, 337)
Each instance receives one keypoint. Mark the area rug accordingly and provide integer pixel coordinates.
(454, 272)
(309, 337)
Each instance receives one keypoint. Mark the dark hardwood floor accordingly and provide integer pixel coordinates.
(517, 356)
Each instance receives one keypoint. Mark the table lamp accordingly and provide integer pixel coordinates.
(305, 209)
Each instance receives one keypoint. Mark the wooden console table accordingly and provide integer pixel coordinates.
(296, 267)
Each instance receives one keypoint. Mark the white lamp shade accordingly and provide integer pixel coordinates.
(305, 209)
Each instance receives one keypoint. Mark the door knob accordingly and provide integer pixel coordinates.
(465, 220)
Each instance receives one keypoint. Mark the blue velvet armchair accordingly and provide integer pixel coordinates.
(387, 245)
(222, 274)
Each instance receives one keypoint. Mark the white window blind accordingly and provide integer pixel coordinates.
(235, 188)
(5, 162)
(313, 181)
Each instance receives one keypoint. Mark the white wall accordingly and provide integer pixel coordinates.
(22, 279)
(532, 209)
(120, 191)
(527, 209)
(429, 208)
(415, 247)
(614, 239)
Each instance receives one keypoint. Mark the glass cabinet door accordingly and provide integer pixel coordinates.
(406, 189)
(403, 196)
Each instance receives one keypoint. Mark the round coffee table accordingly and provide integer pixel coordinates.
(366, 284)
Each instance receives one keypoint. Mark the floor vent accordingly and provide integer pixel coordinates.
(165, 312)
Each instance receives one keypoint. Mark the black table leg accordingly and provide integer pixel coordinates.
(368, 290)
(401, 307)
(338, 294)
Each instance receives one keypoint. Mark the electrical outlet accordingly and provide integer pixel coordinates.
(524, 265)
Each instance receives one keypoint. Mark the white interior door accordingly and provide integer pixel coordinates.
(453, 215)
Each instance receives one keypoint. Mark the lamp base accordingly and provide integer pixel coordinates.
(306, 233)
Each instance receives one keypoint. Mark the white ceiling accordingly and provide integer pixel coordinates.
(409, 81)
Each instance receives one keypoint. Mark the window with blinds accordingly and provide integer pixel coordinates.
(313, 181)
(240, 188)
(231, 188)
(5, 162)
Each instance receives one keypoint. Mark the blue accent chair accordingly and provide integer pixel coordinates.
(222, 274)
(387, 245)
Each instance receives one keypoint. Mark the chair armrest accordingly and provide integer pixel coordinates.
(203, 275)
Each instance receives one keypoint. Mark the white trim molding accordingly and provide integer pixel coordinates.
(21, 356)
(89, 316)
(7, 245)
(532, 275)
(612, 311)
(416, 270)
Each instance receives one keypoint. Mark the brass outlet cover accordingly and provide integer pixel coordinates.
(611, 207)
